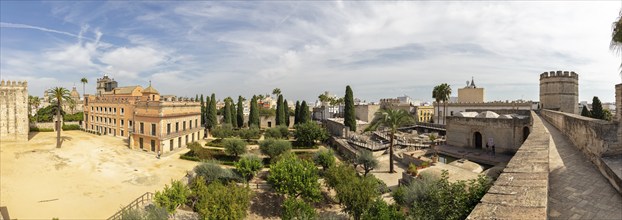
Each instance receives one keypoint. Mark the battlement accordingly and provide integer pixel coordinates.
(558, 74)
(23, 84)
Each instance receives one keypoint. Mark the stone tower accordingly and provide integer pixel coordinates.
(105, 85)
(13, 111)
(559, 91)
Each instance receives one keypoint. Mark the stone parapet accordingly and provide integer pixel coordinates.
(595, 138)
(521, 191)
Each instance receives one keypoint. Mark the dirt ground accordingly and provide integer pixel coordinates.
(90, 177)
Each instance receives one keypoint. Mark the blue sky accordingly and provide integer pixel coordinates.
(381, 49)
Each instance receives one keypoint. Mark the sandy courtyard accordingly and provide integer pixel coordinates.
(90, 177)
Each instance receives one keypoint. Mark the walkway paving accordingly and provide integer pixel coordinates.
(577, 190)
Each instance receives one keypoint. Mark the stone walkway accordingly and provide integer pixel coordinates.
(577, 190)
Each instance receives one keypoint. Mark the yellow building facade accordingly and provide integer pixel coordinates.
(424, 113)
(150, 123)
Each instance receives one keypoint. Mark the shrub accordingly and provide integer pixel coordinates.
(74, 117)
(218, 201)
(297, 209)
(70, 127)
(248, 166)
(250, 133)
(273, 148)
(324, 158)
(380, 210)
(234, 146)
(309, 132)
(172, 197)
(41, 129)
(339, 174)
(224, 131)
(357, 195)
(211, 172)
(274, 133)
(439, 199)
(284, 130)
(295, 177)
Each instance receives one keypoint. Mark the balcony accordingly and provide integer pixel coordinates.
(180, 133)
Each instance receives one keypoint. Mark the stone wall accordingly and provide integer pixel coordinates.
(595, 138)
(13, 111)
(521, 191)
(50, 125)
(507, 134)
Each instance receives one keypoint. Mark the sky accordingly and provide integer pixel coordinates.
(381, 49)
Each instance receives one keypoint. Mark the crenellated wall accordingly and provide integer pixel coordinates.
(521, 191)
(13, 111)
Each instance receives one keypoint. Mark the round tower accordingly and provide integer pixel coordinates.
(559, 91)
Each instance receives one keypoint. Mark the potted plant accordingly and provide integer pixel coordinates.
(412, 170)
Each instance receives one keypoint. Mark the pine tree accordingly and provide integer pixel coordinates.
(253, 117)
(297, 113)
(304, 112)
(280, 118)
(212, 120)
(286, 112)
(240, 112)
(585, 112)
(349, 118)
(597, 108)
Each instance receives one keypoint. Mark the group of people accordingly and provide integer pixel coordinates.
(492, 153)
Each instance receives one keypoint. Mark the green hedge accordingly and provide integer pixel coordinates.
(41, 129)
(71, 127)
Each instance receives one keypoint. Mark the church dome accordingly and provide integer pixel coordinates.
(74, 93)
(150, 90)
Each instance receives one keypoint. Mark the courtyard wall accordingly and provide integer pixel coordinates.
(521, 191)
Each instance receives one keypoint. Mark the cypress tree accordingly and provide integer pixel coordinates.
(597, 108)
(196, 98)
(297, 113)
(227, 112)
(349, 118)
(253, 117)
(280, 118)
(304, 112)
(202, 110)
(212, 120)
(234, 115)
(286, 112)
(240, 112)
(585, 112)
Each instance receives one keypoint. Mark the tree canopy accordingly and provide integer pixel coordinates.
(295, 177)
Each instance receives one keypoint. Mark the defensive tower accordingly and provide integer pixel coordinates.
(13, 111)
(559, 91)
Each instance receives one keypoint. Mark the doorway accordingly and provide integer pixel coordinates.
(171, 143)
(477, 138)
(525, 133)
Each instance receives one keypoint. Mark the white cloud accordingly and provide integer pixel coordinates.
(382, 49)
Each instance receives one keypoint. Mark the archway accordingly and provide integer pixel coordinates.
(477, 138)
(525, 133)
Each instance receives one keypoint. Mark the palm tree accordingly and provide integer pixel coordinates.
(616, 36)
(436, 94)
(276, 92)
(59, 95)
(445, 91)
(72, 105)
(84, 81)
(391, 119)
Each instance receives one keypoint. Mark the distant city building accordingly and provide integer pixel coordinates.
(470, 93)
(14, 111)
(453, 108)
(150, 122)
(423, 113)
